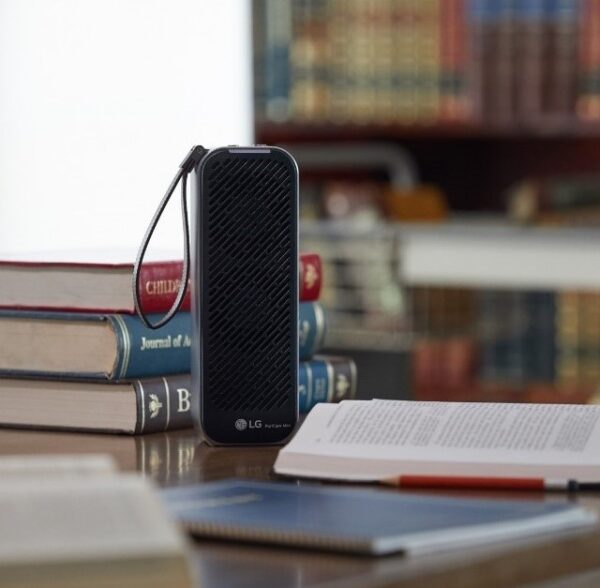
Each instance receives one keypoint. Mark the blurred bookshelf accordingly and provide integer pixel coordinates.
(504, 64)
(469, 273)
(326, 132)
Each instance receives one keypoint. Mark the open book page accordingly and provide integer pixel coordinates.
(83, 519)
(43, 467)
(371, 440)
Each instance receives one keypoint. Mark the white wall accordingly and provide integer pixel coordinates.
(99, 102)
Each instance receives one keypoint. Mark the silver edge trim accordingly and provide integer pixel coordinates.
(126, 345)
(143, 403)
(168, 395)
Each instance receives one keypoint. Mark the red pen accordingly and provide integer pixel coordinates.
(489, 483)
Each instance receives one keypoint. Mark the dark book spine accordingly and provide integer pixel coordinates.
(325, 379)
(504, 327)
(493, 59)
(163, 404)
(561, 86)
(531, 50)
(259, 16)
(481, 22)
(277, 78)
(541, 336)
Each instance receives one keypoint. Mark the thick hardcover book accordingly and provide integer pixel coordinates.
(312, 329)
(88, 280)
(101, 281)
(361, 521)
(325, 379)
(103, 346)
(134, 407)
(113, 346)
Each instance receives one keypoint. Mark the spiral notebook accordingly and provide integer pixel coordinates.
(367, 521)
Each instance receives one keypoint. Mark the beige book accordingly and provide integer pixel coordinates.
(382, 440)
(83, 526)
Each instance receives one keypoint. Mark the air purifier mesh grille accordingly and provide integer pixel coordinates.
(251, 284)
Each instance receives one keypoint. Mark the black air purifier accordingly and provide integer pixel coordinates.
(244, 264)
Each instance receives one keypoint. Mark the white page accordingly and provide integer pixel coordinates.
(44, 467)
(518, 439)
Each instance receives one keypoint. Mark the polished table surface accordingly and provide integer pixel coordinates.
(180, 458)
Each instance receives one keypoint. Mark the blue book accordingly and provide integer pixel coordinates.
(325, 379)
(113, 346)
(101, 346)
(368, 521)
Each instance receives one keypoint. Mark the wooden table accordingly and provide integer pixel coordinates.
(178, 458)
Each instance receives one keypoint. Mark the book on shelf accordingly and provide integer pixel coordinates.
(444, 61)
(364, 521)
(561, 86)
(559, 200)
(455, 102)
(545, 343)
(447, 444)
(65, 528)
(149, 405)
(113, 346)
(588, 99)
(101, 281)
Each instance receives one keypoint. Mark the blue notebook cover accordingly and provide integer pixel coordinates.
(368, 521)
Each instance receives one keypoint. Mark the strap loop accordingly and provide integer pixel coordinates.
(194, 156)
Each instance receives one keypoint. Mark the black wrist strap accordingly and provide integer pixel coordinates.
(187, 165)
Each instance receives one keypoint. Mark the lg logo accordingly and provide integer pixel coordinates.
(243, 424)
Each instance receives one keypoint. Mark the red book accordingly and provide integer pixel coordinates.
(311, 273)
(101, 281)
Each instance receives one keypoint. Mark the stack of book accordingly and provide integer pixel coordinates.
(321, 378)
(74, 356)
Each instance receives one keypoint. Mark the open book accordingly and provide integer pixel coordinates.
(70, 521)
(447, 444)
